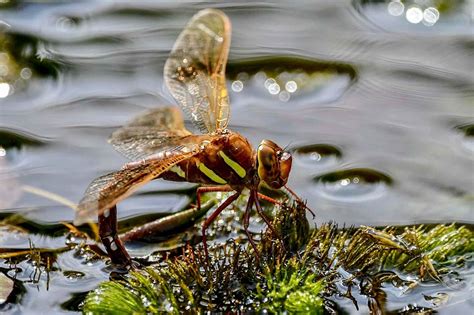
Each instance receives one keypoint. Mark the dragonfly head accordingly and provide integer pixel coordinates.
(273, 164)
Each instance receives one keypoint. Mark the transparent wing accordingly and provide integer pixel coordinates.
(154, 131)
(108, 190)
(195, 70)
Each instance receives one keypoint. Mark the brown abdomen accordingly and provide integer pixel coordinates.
(225, 159)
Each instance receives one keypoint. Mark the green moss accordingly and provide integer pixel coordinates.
(136, 295)
(292, 273)
(441, 244)
(291, 288)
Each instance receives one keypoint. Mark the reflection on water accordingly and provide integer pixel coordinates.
(359, 85)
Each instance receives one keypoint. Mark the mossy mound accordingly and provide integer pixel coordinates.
(297, 271)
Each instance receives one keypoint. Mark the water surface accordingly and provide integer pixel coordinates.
(377, 109)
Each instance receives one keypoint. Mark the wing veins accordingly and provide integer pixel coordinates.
(108, 190)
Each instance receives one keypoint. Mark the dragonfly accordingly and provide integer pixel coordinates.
(161, 147)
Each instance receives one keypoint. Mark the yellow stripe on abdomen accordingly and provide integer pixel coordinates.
(210, 173)
(176, 169)
(233, 165)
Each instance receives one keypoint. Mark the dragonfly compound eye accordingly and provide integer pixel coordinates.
(268, 166)
(285, 161)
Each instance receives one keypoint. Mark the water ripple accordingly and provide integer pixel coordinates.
(321, 155)
(467, 139)
(279, 80)
(353, 185)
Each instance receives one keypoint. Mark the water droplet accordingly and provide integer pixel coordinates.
(358, 184)
(317, 154)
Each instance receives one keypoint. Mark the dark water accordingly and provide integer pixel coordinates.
(378, 110)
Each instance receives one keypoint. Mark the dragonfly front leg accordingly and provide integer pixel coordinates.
(256, 195)
(109, 235)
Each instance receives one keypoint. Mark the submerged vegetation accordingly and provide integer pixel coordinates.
(300, 270)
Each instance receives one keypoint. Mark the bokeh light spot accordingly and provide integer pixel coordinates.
(291, 86)
(4, 90)
(237, 86)
(396, 8)
(414, 15)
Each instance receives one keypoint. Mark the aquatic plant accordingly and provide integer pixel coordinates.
(295, 271)
(291, 288)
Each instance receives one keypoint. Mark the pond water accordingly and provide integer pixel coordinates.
(374, 98)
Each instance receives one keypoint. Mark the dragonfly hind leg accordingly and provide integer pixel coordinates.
(109, 235)
(215, 214)
(203, 190)
(246, 220)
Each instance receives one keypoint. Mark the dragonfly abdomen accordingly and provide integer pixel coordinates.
(225, 159)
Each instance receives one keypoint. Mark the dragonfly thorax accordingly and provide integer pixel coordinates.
(273, 164)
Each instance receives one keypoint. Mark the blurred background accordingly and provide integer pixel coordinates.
(374, 98)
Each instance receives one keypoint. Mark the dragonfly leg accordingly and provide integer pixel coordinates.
(269, 199)
(213, 216)
(203, 190)
(298, 199)
(109, 236)
(246, 220)
(262, 214)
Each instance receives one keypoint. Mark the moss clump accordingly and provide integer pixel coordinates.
(414, 249)
(122, 297)
(291, 288)
(442, 245)
(187, 284)
(293, 272)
